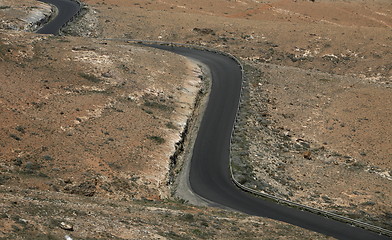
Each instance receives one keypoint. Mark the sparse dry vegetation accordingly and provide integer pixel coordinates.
(89, 125)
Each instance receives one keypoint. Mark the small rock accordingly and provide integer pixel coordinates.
(302, 144)
(68, 181)
(107, 75)
(326, 199)
(18, 161)
(307, 155)
(47, 158)
(66, 226)
(67, 237)
(204, 30)
(368, 203)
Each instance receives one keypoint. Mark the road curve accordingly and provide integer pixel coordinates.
(67, 9)
(209, 172)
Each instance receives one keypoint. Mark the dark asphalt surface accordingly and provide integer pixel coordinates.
(67, 9)
(209, 172)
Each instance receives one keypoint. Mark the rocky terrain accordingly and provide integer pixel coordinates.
(140, 108)
(27, 15)
(310, 147)
(32, 214)
(88, 130)
(318, 93)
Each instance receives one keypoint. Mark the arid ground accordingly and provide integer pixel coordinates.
(88, 125)
(318, 96)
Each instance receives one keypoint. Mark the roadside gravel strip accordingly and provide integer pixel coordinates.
(209, 174)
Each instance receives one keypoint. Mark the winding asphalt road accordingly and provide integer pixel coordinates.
(66, 10)
(209, 172)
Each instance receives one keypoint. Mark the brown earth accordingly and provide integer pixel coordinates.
(319, 89)
(311, 144)
(32, 214)
(91, 117)
(318, 95)
(87, 130)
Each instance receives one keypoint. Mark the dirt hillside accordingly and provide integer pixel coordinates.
(319, 90)
(88, 128)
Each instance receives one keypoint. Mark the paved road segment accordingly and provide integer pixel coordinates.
(209, 173)
(66, 10)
